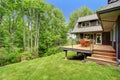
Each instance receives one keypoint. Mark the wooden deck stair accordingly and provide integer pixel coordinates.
(102, 56)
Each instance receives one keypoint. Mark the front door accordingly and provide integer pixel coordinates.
(99, 38)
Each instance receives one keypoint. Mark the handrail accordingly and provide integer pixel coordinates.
(91, 44)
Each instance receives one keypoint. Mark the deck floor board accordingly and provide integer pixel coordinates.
(95, 47)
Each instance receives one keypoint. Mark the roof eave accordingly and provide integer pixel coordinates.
(109, 10)
(87, 32)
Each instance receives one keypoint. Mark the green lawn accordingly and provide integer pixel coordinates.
(56, 68)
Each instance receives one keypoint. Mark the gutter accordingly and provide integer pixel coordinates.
(109, 10)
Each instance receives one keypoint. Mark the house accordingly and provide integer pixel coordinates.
(103, 29)
(110, 21)
(88, 27)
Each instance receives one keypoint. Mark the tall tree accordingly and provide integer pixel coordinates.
(33, 26)
(83, 11)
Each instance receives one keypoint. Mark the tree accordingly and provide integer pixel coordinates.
(100, 8)
(83, 11)
(30, 26)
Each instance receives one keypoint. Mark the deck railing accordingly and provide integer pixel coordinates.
(91, 44)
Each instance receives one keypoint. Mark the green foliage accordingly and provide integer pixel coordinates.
(52, 51)
(27, 55)
(71, 41)
(54, 33)
(7, 58)
(83, 11)
(100, 8)
(13, 57)
(32, 26)
(3, 56)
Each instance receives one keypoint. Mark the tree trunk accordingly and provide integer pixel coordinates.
(24, 30)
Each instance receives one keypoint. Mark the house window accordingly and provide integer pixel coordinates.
(79, 25)
(88, 36)
(85, 24)
(111, 1)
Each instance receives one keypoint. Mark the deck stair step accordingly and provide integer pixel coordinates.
(102, 50)
(104, 53)
(102, 60)
(104, 56)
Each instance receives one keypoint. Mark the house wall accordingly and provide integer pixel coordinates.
(94, 36)
(106, 38)
(93, 23)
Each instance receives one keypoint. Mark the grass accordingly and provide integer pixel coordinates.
(56, 68)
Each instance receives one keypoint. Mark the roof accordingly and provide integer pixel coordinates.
(109, 15)
(111, 6)
(87, 29)
(88, 18)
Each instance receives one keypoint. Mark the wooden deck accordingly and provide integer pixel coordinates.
(102, 53)
(77, 48)
(90, 49)
(104, 48)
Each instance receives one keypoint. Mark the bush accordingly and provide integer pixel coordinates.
(7, 58)
(13, 57)
(51, 51)
(3, 56)
(26, 56)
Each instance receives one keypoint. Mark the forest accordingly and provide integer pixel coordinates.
(29, 29)
(33, 28)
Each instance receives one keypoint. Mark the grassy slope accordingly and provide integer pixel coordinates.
(56, 68)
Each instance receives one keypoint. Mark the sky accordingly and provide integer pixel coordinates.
(68, 6)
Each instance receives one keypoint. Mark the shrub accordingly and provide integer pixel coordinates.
(26, 56)
(14, 56)
(7, 58)
(52, 50)
(3, 56)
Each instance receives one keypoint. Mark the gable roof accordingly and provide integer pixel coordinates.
(113, 6)
(97, 28)
(109, 15)
(88, 18)
(87, 29)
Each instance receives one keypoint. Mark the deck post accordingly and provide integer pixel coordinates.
(117, 43)
(84, 57)
(65, 54)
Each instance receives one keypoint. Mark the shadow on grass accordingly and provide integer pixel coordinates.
(79, 58)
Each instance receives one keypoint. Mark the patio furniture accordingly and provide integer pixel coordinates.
(85, 43)
(82, 42)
